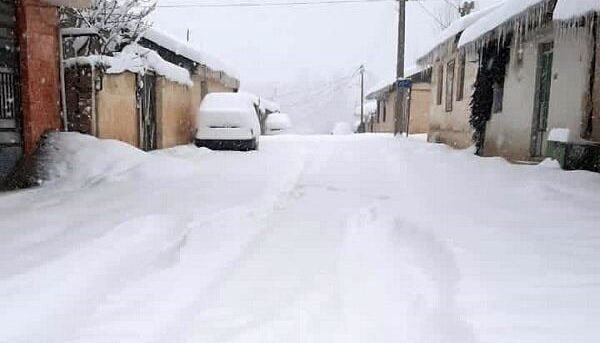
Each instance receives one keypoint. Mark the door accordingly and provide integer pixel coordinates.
(10, 105)
(542, 99)
(147, 111)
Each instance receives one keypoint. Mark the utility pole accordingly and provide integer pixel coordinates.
(400, 65)
(362, 99)
(401, 38)
(189, 35)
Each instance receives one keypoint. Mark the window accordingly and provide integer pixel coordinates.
(450, 86)
(460, 90)
(384, 112)
(498, 90)
(378, 111)
(440, 85)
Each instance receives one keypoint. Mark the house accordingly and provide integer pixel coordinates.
(540, 73)
(415, 93)
(453, 75)
(147, 95)
(29, 76)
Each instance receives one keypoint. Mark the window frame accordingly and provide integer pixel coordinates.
(440, 85)
(460, 86)
(450, 74)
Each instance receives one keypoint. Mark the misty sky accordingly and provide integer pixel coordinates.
(304, 56)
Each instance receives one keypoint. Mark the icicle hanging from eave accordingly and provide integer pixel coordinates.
(520, 26)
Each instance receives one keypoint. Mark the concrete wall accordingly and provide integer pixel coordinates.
(116, 111)
(419, 107)
(509, 132)
(570, 95)
(452, 128)
(387, 125)
(37, 27)
(175, 116)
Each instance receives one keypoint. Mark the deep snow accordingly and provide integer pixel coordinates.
(312, 239)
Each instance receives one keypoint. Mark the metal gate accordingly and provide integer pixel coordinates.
(10, 104)
(147, 111)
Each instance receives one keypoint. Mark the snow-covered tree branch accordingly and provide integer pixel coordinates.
(117, 22)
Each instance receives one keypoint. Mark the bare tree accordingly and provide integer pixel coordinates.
(116, 22)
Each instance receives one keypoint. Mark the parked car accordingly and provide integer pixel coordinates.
(228, 121)
(278, 123)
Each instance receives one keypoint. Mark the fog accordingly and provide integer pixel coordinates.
(306, 57)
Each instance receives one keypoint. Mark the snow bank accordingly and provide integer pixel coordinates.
(500, 19)
(341, 129)
(186, 50)
(570, 9)
(136, 59)
(85, 161)
(278, 122)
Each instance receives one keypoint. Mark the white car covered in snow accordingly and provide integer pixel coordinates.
(228, 121)
(278, 123)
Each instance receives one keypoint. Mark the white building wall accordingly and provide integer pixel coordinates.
(508, 133)
(570, 95)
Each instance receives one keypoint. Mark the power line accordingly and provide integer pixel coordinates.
(273, 4)
(279, 3)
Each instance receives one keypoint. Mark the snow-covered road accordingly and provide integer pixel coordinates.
(313, 239)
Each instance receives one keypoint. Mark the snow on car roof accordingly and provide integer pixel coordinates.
(229, 101)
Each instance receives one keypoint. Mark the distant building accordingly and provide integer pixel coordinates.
(416, 97)
(29, 76)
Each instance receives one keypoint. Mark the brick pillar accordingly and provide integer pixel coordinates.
(37, 27)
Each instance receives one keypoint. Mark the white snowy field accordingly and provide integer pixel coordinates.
(312, 239)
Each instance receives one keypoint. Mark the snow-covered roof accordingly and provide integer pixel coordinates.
(136, 59)
(455, 28)
(503, 19)
(571, 9)
(186, 50)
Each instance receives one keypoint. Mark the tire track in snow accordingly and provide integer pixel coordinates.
(411, 283)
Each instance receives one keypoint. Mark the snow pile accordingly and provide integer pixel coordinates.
(503, 19)
(186, 50)
(278, 122)
(85, 161)
(342, 128)
(136, 59)
(561, 135)
(571, 9)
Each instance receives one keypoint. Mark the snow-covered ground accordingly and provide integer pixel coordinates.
(312, 239)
